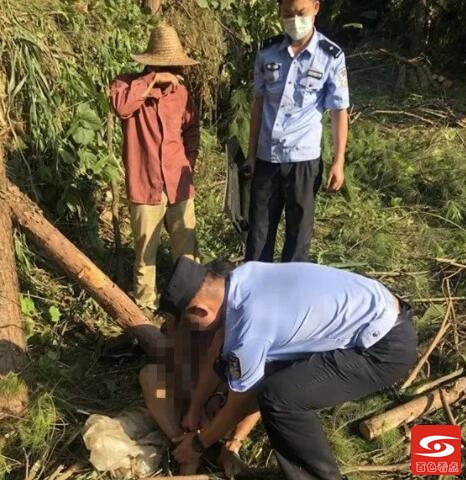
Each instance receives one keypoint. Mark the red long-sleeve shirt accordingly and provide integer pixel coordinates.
(160, 139)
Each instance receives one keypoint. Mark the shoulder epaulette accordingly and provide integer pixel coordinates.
(328, 47)
(272, 41)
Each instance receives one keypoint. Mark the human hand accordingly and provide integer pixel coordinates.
(191, 422)
(184, 452)
(231, 462)
(336, 177)
(164, 79)
(247, 170)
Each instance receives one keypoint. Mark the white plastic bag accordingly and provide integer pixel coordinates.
(126, 445)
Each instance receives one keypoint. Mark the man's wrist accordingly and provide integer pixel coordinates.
(204, 439)
(339, 161)
(195, 407)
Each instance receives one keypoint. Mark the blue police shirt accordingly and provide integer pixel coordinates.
(296, 92)
(287, 311)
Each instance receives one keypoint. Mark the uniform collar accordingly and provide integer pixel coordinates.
(311, 46)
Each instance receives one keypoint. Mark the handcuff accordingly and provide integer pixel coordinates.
(197, 444)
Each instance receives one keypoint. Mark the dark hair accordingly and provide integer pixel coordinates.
(219, 268)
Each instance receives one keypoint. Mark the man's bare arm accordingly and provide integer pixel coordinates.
(336, 176)
(208, 381)
(238, 407)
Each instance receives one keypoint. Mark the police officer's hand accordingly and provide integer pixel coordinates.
(231, 462)
(184, 452)
(336, 177)
(247, 170)
(193, 420)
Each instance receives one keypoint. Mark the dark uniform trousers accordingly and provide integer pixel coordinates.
(289, 397)
(275, 186)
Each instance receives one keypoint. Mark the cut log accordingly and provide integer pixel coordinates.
(81, 269)
(411, 410)
(12, 340)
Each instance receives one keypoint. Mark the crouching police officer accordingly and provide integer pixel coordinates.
(295, 337)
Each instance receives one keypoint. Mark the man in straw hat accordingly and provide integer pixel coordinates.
(160, 147)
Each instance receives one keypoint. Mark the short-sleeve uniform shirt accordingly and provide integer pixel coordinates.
(288, 311)
(296, 91)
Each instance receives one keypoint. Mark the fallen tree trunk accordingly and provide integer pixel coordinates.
(12, 340)
(424, 404)
(82, 270)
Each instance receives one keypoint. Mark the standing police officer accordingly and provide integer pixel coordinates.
(296, 337)
(298, 76)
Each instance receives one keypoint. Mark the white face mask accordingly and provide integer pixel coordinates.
(298, 27)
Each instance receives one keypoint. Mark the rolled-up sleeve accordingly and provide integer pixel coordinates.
(127, 95)
(259, 82)
(337, 91)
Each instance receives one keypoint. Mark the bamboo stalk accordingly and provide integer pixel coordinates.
(436, 299)
(446, 407)
(399, 467)
(115, 204)
(406, 114)
(453, 263)
(440, 334)
(430, 385)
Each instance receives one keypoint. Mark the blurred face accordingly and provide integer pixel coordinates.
(173, 69)
(299, 8)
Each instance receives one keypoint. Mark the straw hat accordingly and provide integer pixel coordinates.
(164, 49)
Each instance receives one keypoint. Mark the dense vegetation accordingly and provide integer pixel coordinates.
(403, 208)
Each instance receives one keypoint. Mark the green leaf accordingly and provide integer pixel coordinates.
(67, 157)
(28, 306)
(83, 136)
(88, 117)
(202, 3)
(55, 314)
(87, 160)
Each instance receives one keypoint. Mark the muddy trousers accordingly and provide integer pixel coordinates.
(289, 397)
(276, 187)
